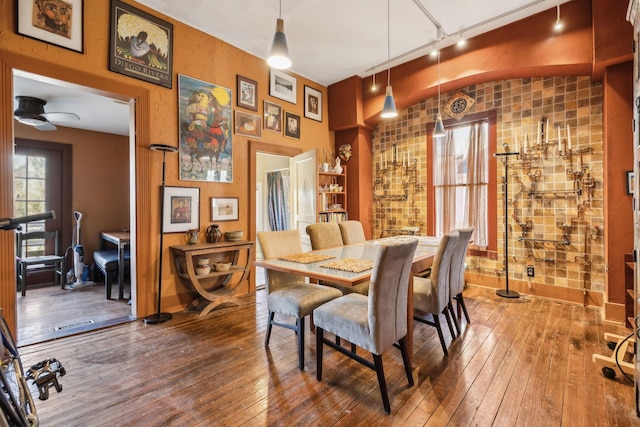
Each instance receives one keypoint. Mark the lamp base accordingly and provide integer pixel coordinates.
(505, 293)
(152, 319)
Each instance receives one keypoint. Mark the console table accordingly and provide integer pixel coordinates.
(217, 287)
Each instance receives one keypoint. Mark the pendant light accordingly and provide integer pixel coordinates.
(558, 25)
(279, 58)
(389, 108)
(438, 130)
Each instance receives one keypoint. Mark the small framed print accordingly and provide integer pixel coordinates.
(181, 207)
(312, 103)
(247, 93)
(64, 28)
(224, 209)
(630, 178)
(272, 117)
(283, 86)
(292, 125)
(248, 124)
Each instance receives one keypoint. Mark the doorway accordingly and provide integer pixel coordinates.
(48, 312)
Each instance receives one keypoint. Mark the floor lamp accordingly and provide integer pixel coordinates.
(160, 317)
(506, 293)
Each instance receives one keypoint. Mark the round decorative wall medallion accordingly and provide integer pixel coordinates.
(459, 105)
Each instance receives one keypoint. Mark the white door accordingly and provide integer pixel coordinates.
(303, 189)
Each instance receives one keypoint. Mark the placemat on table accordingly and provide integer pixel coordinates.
(306, 257)
(351, 265)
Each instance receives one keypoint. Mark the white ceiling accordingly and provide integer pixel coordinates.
(329, 40)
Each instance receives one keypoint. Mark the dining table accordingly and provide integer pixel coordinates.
(367, 251)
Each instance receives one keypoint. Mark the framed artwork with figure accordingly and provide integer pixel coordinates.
(181, 207)
(205, 131)
(141, 45)
(272, 117)
(312, 103)
(57, 22)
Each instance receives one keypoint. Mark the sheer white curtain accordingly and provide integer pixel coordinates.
(460, 180)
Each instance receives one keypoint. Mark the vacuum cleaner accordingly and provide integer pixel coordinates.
(80, 269)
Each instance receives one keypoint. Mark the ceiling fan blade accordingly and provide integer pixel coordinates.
(59, 117)
(46, 126)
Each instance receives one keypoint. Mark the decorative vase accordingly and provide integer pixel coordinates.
(193, 237)
(202, 266)
(337, 168)
(325, 167)
(214, 235)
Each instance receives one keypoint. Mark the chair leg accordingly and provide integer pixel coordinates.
(269, 326)
(300, 331)
(436, 321)
(377, 360)
(456, 323)
(460, 300)
(23, 279)
(446, 316)
(405, 359)
(319, 352)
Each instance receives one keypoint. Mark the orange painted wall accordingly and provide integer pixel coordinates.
(195, 55)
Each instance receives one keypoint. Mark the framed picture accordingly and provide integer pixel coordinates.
(224, 209)
(248, 124)
(205, 131)
(272, 117)
(181, 207)
(65, 29)
(247, 93)
(630, 179)
(292, 125)
(141, 45)
(283, 86)
(312, 103)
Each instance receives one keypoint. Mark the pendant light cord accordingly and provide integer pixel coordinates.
(438, 49)
(280, 11)
(388, 44)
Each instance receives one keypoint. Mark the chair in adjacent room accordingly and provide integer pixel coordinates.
(106, 262)
(289, 294)
(375, 322)
(352, 232)
(49, 242)
(325, 235)
(457, 281)
(431, 295)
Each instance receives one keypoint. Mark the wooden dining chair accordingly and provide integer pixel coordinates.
(431, 295)
(48, 256)
(375, 322)
(325, 235)
(457, 282)
(288, 294)
(352, 232)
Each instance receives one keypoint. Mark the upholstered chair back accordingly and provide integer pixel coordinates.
(457, 261)
(275, 244)
(440, 273)
(352, 232)
(388, 293)
(324, 235)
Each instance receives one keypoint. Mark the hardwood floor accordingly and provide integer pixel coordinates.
(520, 362)
(49, 312)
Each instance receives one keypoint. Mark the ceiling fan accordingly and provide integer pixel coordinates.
(31, 112)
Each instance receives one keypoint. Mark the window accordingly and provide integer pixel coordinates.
(461, 175)
(29, 191)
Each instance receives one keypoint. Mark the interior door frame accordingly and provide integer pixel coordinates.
(143, 283)
(266, 148)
